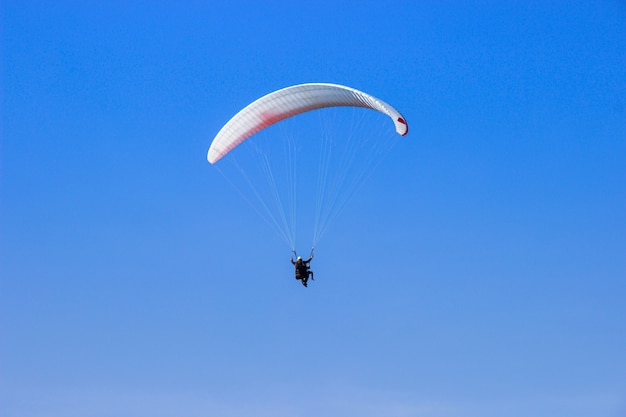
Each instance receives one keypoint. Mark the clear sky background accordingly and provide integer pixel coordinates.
(481, 272)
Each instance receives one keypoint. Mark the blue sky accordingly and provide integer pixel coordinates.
(480, 272)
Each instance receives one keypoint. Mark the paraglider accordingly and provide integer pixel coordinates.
(303, 269)
(339, 174)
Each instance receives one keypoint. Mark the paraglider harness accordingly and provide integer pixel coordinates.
(302, 268)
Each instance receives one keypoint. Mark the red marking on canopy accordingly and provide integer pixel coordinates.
(269, 118)
(401, 120)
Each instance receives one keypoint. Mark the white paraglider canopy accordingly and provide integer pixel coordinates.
(292, 101)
